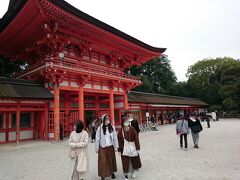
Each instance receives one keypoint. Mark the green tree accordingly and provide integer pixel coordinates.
(205, 78)
(9, 68)
(157, 75)
(183, 89)
(230, 88)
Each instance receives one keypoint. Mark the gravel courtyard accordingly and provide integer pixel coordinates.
(218, 157)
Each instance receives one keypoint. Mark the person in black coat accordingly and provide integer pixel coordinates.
(134, 123)
(61, 132)
(196, 127)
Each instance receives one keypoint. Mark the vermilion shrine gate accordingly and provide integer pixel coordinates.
(80, 59)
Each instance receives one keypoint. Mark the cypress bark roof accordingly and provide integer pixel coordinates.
(150, 98)
(15, 7)
(23, 89)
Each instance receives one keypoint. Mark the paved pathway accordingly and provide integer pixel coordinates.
(218, 157)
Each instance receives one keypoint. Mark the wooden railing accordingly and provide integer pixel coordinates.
(76, 67)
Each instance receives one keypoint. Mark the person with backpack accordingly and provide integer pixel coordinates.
(196, 128)
(182, 130)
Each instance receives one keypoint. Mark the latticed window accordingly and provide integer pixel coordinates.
(25, 120)
(104, 105)
(89, 105)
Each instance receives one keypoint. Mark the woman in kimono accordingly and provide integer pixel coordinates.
(78, 153)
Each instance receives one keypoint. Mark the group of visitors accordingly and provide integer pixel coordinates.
(107, 142)
(182, 129)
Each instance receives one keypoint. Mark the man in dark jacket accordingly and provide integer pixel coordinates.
(134, 123)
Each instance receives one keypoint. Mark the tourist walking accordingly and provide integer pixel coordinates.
(214, 116)
(208, 121)
(129, 148)
(196, 127)
(182, 130)
(217, 115)
(93, 131)
(134, 124)
(61, 132)
(78, 152)
(106, 144)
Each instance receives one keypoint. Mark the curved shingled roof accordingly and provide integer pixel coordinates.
(150, 98)
(16, 6)
(23, 89)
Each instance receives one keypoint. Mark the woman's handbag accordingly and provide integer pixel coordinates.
(129, 148)
(72, 153)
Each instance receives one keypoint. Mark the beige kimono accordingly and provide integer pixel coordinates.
(79, 165)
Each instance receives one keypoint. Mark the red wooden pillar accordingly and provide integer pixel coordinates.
(42, 124)
(46, 121)
(81, 104)
(18, 123)
(111, 101)
(56, 112)
(7, 126)
(125, 100)
(66, 106)
(140, 116)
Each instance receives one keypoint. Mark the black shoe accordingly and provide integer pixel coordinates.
(113, 176)
(197, 147)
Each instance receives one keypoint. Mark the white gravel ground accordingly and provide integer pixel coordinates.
(218, 157)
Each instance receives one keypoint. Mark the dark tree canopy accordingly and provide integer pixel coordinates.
(205, 77)
(9, 68)
(230, 88)
(157, 75)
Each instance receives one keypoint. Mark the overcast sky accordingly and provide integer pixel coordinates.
(190, 29)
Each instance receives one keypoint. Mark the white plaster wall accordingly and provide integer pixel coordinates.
(96, 86)
(121, 90)
(74, 84)
(135, 106)
(105, 88)
(85, 57)
(94, 60)
(103, 62)
(64, 83)
(26, 134)
(2, 137)
(88, 86)
(51, 104)
(118, 105)
(51, 135)
(12, 136)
